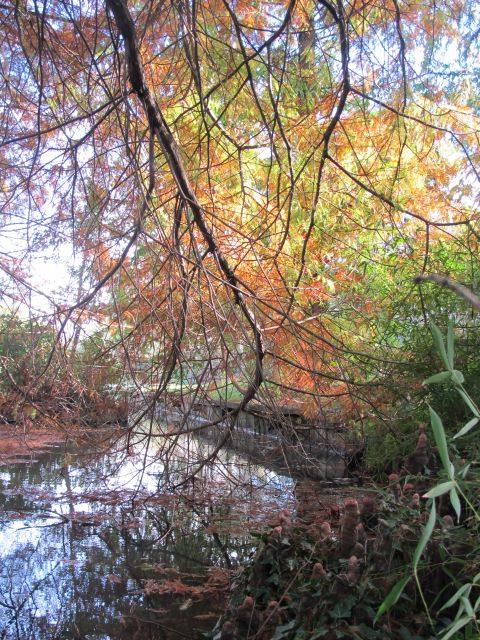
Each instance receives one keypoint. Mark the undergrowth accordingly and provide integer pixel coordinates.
(403, 565)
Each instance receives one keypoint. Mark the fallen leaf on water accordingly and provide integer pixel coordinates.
(186, 605)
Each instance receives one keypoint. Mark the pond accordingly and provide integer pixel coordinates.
(108, 542)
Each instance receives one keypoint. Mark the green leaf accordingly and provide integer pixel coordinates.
(469, 402)
(457, 377)
(440, 440)
(343, 608)
(456, 626)
(392, 597)
(455, 501)
(470, 424)
(426, 535)
(465, 588)
(274, 579)
(283, 630)
(141, 251)
(467, 607)
(440, 489)
(443, 376)
(438, 339)
(450, 344)
(405, 634)
(465, 470)
(367, 633)
(477, 604)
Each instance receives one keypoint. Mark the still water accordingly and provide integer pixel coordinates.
(108, 543)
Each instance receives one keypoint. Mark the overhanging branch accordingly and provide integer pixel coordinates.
(161, 131)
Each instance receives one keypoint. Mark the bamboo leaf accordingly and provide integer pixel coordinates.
(455, 501)
(469, 402)
(456, 626)
(440, 441)
(465, 588)
(470, 424)
(450, 344)
(443, 376)
(457, 377)
(426, 535)
(477, 604)
(395, 593)
(440, 489)
(438, 339)
(467, 606)
(465, 470)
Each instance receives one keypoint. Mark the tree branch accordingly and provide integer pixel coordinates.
(159, 127)
(456, 287)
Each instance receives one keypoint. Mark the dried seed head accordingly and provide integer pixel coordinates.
(228, 631)
(360, 531)
(325, 531)
(353, 570)
(318, 571)
(368, 506)
(351, 518)
(273, 613)
(351, 506)
(335, 512)
(422, 441)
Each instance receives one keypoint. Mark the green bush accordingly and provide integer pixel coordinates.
(456, 493)
(25, 345)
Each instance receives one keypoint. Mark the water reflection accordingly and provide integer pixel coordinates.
(99, 546)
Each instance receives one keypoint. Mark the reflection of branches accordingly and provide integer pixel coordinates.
(28, 590)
